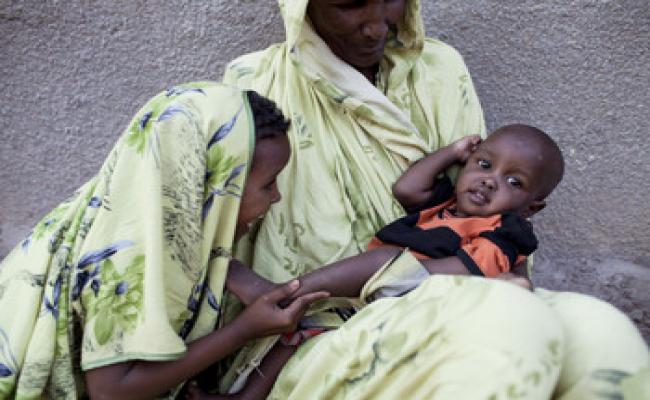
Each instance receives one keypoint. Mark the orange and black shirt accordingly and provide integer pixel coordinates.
(487, 246)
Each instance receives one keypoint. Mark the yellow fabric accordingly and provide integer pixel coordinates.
(451, 338)
(134, 264)
(396, 278)
(350, 140)
(603, 347)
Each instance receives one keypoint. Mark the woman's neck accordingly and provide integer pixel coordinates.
(369, 72)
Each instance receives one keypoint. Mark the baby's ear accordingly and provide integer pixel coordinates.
(534, 207)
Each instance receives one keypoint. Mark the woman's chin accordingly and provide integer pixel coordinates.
(367, 62)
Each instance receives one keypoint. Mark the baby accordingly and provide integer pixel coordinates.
(478, 227)
(482, 221)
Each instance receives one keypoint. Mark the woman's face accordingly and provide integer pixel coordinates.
(261, 191)
(356, 30)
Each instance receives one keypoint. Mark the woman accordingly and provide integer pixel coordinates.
(107, 292)
(368, 95)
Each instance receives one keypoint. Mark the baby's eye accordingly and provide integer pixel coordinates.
(513, 181)
(485, 164)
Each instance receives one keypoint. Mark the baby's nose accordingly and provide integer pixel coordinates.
(489, 183)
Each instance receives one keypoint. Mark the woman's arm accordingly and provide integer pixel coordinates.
(148, 379)
(416, 186)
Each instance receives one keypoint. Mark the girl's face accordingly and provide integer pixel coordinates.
(356, 30)
(261, 191)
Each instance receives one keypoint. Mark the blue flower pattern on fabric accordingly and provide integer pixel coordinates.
(222, 170)
(95, 202)
(193, 303)
(177, 90)
(212, 301)
(95, 258)
(8, 363)
(223, 130)
(53, 305)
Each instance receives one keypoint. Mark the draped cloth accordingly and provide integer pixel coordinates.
(453, 337)
(350, 140)
(133, 265)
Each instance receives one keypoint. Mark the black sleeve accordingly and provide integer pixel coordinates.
(443, 190)
(515, 236)
(435, 243)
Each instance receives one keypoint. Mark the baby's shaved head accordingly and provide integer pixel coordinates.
(550, 162)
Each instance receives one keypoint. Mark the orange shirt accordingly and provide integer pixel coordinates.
(487, 246)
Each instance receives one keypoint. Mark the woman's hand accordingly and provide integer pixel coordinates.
(265, 317)
(465, 146)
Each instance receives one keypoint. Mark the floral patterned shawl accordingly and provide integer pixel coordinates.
(133, 265)
(350, 140)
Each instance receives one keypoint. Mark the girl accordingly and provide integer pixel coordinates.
(116, 293)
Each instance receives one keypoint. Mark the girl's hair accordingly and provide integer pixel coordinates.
(269, 120)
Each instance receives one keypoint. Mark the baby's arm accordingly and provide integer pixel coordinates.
(416, 186)
(246, 284)
(347, 277)
(343, 278)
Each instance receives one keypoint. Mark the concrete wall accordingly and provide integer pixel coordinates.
(73, 72)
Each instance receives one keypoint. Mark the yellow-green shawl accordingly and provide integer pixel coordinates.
(133, 265)
(350, 140)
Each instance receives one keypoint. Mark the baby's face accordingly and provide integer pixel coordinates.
(502, 175)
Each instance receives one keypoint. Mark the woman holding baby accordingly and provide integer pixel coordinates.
(369, 95)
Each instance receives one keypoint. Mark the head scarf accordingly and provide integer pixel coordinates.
(350, 140)
(134, 264)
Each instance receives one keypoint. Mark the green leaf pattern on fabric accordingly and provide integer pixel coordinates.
(115, 301)
(114, 273)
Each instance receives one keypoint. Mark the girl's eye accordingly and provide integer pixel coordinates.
(513, 181)
(485, 164)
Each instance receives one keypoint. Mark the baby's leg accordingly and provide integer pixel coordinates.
(259, 383)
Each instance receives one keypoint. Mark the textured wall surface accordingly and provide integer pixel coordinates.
(73, 72)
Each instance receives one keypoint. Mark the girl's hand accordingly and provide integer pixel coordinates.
(465, 146)
(264, 317)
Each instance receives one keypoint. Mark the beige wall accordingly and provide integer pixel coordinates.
(73, 72)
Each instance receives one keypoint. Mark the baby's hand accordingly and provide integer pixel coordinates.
(264, 317)
(465, 146)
